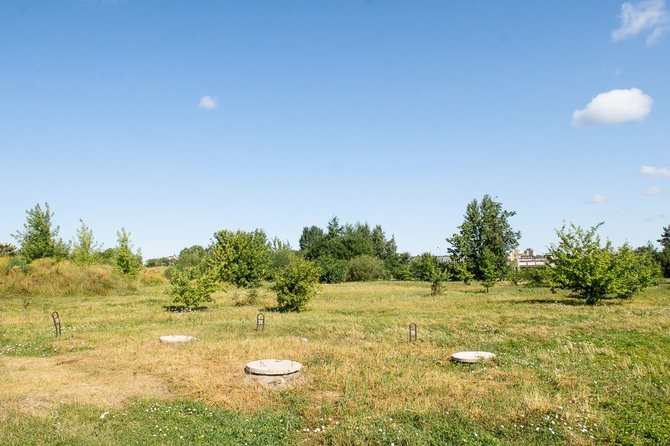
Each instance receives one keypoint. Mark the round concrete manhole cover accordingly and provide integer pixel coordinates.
(176, 339)
(273, 367)
(472, 357)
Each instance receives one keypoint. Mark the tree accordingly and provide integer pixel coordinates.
(242, 258)
(7, 250)
(485, 227)
(189, 292)
(425, 267)
(39, 239)
(593, 271)
(84, 248)
(192, 257)
(127, 262)
(339, 244)
(296, 284)
(489, 273)
(664, 254)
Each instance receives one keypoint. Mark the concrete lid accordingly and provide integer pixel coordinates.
(272, 367)
(472, 357)
(176, 339)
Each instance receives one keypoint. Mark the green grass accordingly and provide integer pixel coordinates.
(566, 373)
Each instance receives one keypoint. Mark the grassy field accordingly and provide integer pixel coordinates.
(566, 373)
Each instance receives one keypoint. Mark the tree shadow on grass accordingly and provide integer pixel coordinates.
(573, 302)
(182, 309)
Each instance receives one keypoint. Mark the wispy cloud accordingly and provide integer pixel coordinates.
(655, 172)
(598, 199)
(655, 217)
(208, 103)
(653, 191)
(646, 16)
(614, 107)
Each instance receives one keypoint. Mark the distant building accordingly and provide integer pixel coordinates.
(527, 259)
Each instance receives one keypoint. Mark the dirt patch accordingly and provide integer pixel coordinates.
(36, 385)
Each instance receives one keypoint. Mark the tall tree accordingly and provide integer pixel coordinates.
(39, 239)
(84, 247)
(664, 254)
(127, 262)
(485, 227)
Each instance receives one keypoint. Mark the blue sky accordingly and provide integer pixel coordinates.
(178, 119)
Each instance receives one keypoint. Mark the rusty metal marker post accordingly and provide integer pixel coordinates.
(56, 319)
(412, 332)
(260, 322)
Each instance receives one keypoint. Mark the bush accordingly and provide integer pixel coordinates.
(366, 268)
(593, 271)
(188, 292)
(296, 284)
(242, 258)
(332, 270)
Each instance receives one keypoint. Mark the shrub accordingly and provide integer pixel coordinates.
(593, 271)
(189, 292)
(332, 270)
(242, 258)
(296, 284)
(365, 268)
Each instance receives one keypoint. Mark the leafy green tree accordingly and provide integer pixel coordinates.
(192, 257)
(332, 270)
(425, 267)
(488, 268)
(85, 249)
(581, 263)
(664, 254)
(398, 265)
(296, 284)
(127, 262)
(39, 239)
(459, 271)
(242, 258)
(485, 227)
(189, 292)
(7, 250)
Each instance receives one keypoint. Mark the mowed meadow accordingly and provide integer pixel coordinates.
(565, 373)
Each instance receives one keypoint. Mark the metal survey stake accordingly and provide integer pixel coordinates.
(56, 319)
(412, 332)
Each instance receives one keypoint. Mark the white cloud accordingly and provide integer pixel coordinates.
(208, 103)
(598, 199)
(653, 191)
(648, 15)
(655, 171)
(614, 107)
